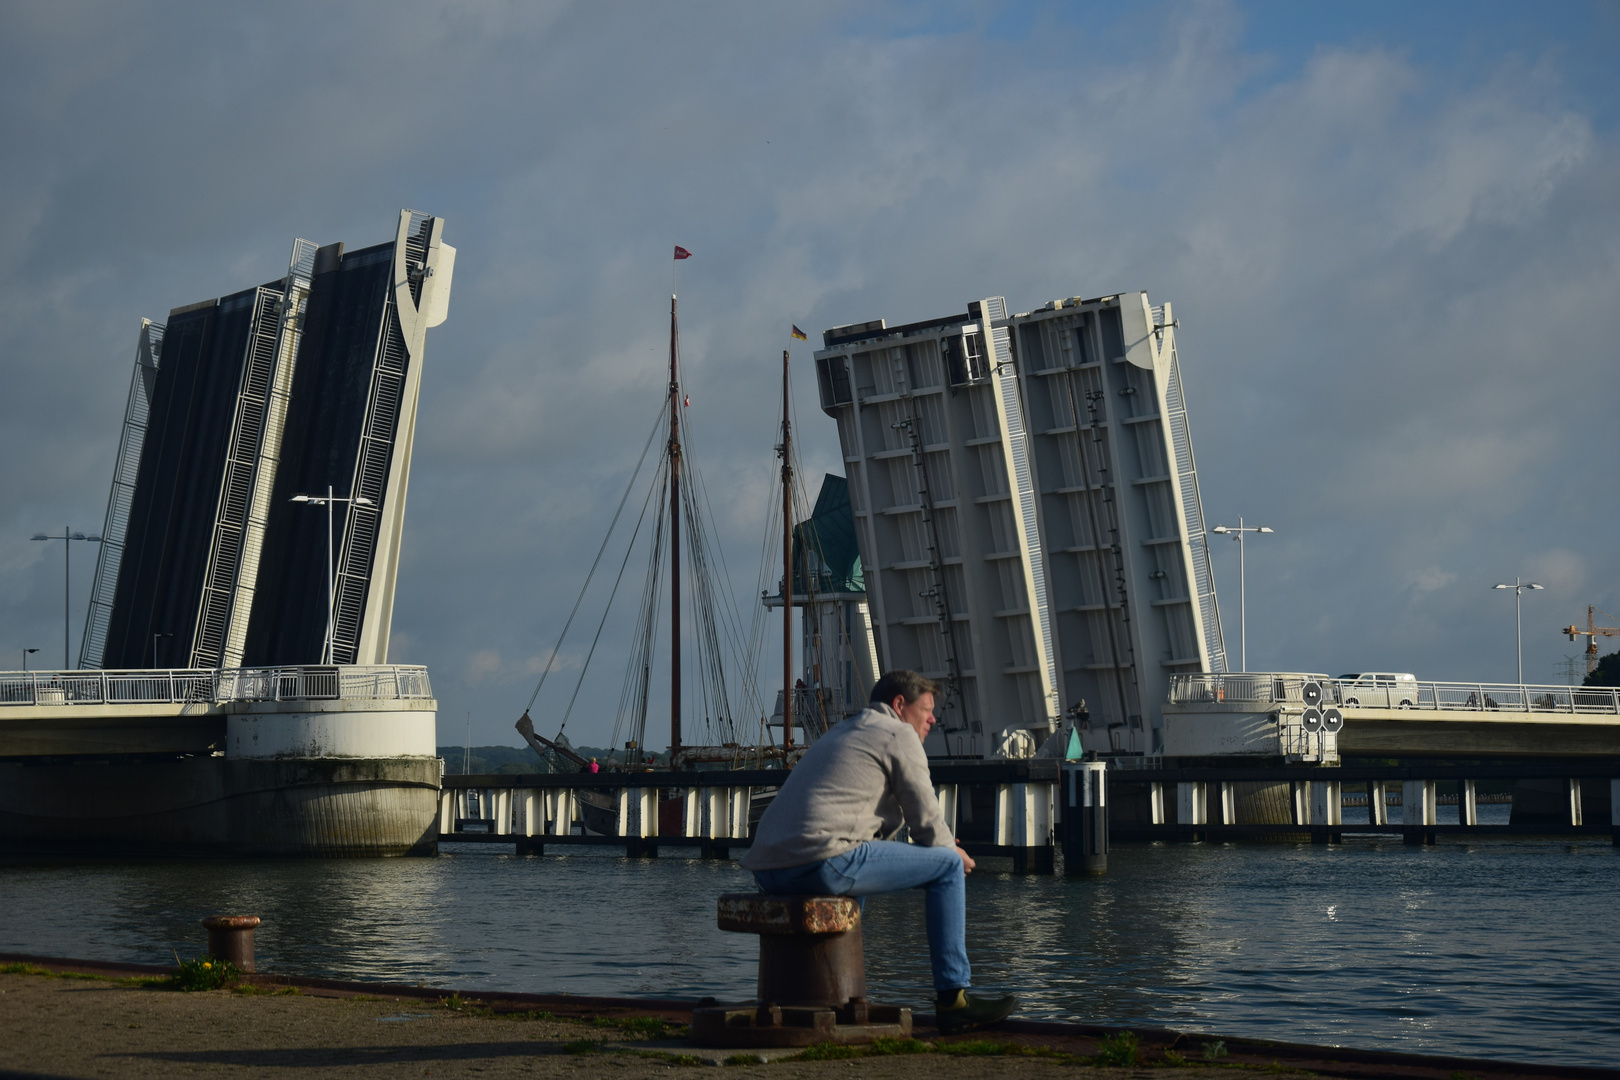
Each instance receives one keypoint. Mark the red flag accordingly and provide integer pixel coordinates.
(682, 253)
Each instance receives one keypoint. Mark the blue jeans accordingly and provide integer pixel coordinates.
(880, 866)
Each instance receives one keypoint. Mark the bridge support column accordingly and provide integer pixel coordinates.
(1192, 808)
(1614, 810)
(1574, 788)
(1377, 803)
(447, 812)
(1327, 808)
(1417, 811)
(1156, 803)
(1467, 803)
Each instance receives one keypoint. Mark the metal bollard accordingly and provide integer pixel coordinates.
(1085, 818)
(230, 937)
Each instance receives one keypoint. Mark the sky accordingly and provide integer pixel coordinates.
(1390, 231)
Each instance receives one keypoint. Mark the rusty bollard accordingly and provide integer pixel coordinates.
(230, 937)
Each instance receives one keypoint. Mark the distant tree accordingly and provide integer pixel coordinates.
(1607, 673)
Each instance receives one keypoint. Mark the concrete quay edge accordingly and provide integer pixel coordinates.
(1055, 1035)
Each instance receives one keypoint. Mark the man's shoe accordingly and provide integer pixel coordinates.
(965, 1012)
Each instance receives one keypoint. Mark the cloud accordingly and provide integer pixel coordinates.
(1391, 273)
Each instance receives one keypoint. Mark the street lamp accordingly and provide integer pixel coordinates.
(1518, 615)
(25, 653)
(1243, 600)
(154, 646)
(327, 500)
(67, 538)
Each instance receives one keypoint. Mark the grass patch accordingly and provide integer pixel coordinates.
(582, 1046)
(667, 1059)
(879, 1047)
(1118, 1050)
(745, 1059)
(653, 1027)
(205, 973)
(828, 1052)
(24, 969)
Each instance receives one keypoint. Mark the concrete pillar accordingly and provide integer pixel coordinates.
(447, 812)
(1467, 803)
(1302, 805)
(1192, 803)
(1085, 818)
(1377, 803)
(501, 809)
(739, 798)
(1228, 804)
(1614, 809)
(1156, 803)
(946, 794)
(1417, 811)
(1574, 788)
(624, 812)
(1327, 802)
(692, 814)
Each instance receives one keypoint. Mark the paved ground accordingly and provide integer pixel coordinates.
(56, 1026)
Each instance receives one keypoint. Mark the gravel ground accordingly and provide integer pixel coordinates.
(67, 1026)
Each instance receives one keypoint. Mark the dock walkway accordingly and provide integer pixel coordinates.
(67, 1018)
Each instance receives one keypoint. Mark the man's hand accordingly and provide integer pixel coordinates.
(967, 860)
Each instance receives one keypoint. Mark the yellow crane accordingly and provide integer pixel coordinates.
(1591, 631)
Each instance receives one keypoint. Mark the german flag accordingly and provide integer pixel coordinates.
(800, 334)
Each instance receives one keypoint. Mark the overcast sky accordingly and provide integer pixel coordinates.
(1390, 233)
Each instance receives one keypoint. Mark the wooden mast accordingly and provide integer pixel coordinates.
(787, 564)
(674, 534)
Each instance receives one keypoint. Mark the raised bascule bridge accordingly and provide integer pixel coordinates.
(233, 693)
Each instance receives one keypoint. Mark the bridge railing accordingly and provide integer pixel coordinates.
(211, 686)
(1265, 689)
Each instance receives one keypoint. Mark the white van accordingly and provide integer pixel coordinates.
(1378, 690)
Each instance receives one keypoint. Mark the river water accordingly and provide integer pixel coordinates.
(1492, 948)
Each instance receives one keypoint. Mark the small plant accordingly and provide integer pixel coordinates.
(898, 1046)
(23, 969)
(205, 973)
(1214, 1050)
(1119, 1050)
(827, 1052)
(1174, 1058)
(746, 1059)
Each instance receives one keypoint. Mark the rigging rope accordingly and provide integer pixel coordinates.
(552, 659)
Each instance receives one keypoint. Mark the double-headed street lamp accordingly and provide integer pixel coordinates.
(67, 538)
(1243, 600)
(1518, 615)
(327, 500)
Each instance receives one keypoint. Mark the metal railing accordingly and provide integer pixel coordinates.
(213, 686)
(1286, 688)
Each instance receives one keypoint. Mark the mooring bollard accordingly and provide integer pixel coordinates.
(1085, 818)
(812, 977)
(230, 937)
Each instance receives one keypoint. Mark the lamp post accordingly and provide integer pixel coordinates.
(25, 653)
(154, 646)
(1518, 615)
(1243, 599)
(67, 538)
(327, 500)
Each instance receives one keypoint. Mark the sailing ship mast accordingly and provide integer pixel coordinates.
(787, 563)
(674, 532)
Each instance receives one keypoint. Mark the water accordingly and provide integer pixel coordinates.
(1493, 948)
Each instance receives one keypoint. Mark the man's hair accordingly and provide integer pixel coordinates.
(903, 683)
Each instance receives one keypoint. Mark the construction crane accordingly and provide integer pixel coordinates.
(1591, 632)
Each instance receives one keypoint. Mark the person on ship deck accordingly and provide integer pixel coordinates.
(830, 831)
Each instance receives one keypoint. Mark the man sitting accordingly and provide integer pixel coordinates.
(828, 833)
